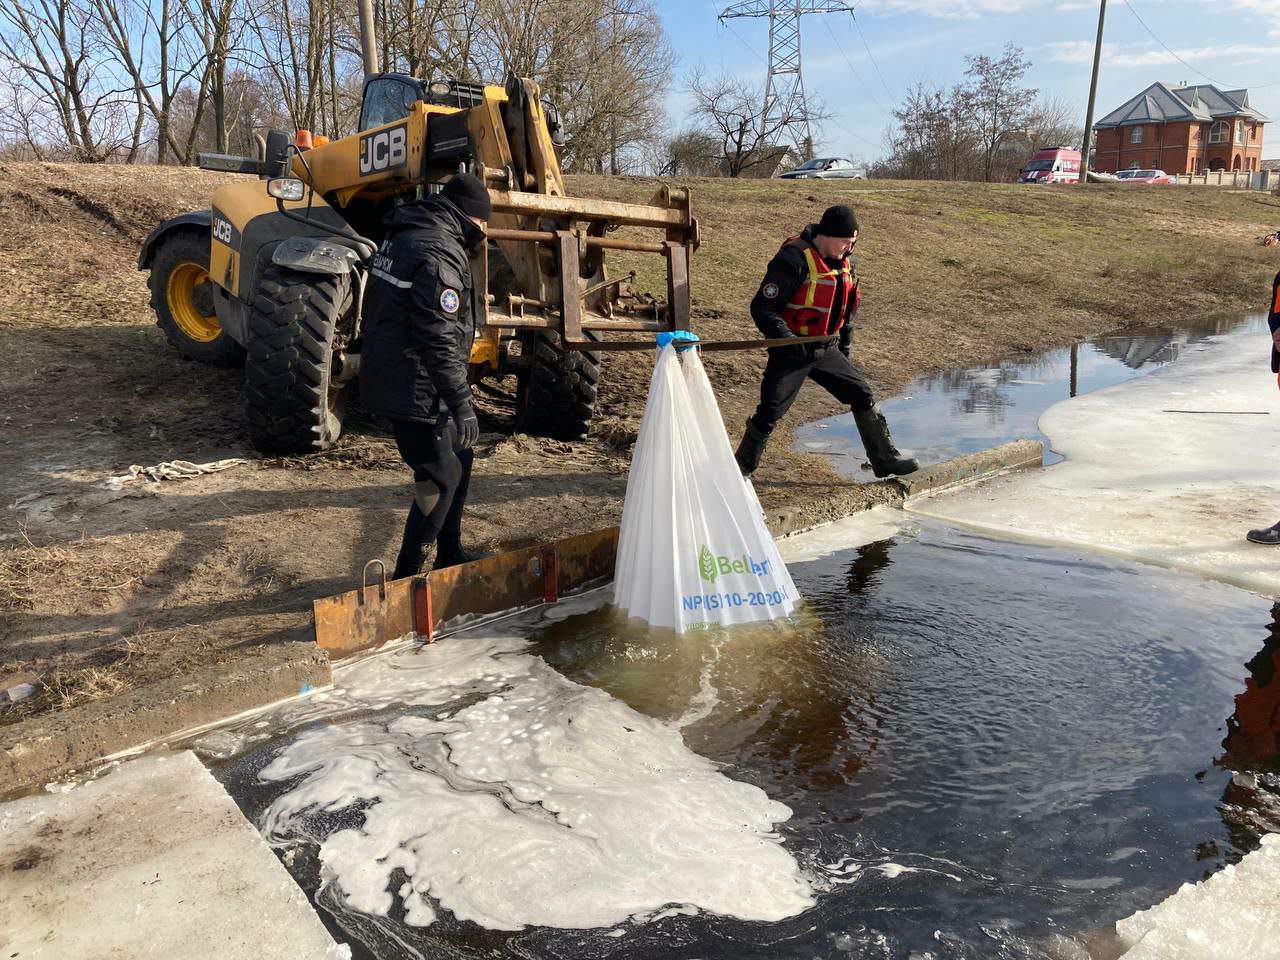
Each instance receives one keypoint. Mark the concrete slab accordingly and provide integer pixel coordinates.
(1170, 469)
(152, 860)
(53, 744)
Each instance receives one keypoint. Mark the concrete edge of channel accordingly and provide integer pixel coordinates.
(1015, 455)
(56, 744)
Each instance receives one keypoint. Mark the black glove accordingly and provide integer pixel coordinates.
(466, 424)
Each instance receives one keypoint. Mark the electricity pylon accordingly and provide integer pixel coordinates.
(784, 102)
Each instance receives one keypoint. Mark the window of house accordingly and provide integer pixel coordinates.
(1240, 131)
(1220, 132)
(1253, 132)
(1135, 135)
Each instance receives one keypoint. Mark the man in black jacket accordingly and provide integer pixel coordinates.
(417, 337)
(1271, 535)
(811, 289)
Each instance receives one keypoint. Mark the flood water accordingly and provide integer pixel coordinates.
(973, 408)
(988, 750)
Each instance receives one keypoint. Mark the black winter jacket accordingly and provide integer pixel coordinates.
(417, 326)
(786, 271)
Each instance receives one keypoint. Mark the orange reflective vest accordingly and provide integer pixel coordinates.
(809, 312)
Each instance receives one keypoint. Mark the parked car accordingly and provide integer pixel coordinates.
(824, 168)
(1144, 176)
(1052, 165)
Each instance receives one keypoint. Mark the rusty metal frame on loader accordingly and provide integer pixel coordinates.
(570, 233)
(464, 595)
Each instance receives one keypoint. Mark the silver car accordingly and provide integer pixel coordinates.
(824, 168)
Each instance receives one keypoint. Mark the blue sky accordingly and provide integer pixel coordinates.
(1234, 42)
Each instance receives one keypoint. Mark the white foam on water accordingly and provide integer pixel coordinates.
(1147, 483)
(1234, 915)
(513, 797)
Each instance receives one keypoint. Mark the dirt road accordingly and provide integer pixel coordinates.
(106, 589)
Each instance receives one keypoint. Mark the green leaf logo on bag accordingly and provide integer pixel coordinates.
(711, 565)
(707, 564)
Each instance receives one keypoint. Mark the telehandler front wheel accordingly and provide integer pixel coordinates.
(291, 402)
(182, 298)
(556, 389)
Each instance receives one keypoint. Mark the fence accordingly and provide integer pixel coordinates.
(1240, 179)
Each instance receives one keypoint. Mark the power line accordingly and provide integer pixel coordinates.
(872, 58)
(728, 26)
(854, 70)
(1217, 83)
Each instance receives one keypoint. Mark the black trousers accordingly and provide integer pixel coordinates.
(824, 364)
(430, 450)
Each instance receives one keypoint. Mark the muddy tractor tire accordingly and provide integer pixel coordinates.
(291, 402)
(556, 389)
(182, 298)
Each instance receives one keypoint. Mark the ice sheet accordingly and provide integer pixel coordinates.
(1234, 915)
(1147, 483)
(511, 796)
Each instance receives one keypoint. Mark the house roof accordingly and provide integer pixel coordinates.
(1165, 103)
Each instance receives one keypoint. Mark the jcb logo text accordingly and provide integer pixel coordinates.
(383, 150)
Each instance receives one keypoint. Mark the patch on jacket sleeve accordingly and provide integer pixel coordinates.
(449, 300)
(770, 291)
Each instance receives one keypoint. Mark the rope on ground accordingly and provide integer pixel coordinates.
(171, 470)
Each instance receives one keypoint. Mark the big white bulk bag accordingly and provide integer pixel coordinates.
(694, 551)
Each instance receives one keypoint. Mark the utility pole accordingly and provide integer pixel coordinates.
(784, 102)
(1093, 94)
(368, 42)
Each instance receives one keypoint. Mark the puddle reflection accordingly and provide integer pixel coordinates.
(969, 409)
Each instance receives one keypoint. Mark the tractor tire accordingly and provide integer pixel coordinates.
(182, 298)
(556, 390)
(291, 402)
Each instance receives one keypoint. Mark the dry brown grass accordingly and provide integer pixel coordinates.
(112, 669)
(23, 567)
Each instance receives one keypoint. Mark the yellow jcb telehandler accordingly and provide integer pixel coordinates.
(272, 276)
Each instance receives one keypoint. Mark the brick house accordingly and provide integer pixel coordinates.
(1181, 129)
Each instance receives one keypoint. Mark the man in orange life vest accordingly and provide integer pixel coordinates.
(811, 289)
(1271, 535)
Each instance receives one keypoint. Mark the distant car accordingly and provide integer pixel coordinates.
(1143, 176)
(824, 168)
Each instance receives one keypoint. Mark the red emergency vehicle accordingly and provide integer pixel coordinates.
(1052, 165)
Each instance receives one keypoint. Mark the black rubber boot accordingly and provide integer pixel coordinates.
(884, 456)
(417, 534)
(1267, 535)
(450, 553)
(751, 448)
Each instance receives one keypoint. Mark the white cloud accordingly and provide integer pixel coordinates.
(1148, 55)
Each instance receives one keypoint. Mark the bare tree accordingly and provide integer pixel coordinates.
(995, 99)
(74, 98)
(733, 113)
(693, 153)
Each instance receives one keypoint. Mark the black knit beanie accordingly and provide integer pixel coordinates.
(838, 221)
(468, 194)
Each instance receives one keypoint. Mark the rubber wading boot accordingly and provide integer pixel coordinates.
(884, 456)
(450, 552)
(750, 449)
(1268, 535)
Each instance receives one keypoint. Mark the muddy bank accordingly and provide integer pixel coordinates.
(105, 591)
